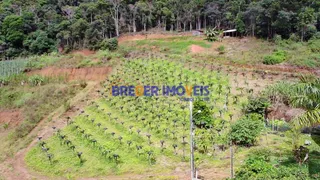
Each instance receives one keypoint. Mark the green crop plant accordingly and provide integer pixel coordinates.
(212, 34)
(131, 127)
(12, 67)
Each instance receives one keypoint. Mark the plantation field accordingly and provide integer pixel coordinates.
(116, 135)
(141, 131)
(148, 137)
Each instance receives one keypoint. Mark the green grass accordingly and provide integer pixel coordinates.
(39, 62)
(301, 53)
(176, 45)
(249, 51)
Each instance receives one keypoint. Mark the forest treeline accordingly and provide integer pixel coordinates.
(40, 26)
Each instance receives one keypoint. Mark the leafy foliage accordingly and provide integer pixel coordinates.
(85, 24)
(8, 68)
(204, 118)
(314, 45)
(221, 49)
(308, 96)
(212, 34)
(109, 44)
(39, 42)
(277, 57)
(257, 105)
(259, 166)
(246, 129)
(304, 94)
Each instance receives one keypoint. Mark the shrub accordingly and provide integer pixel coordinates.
(316, 36)
(254, 167)
(261, 153)
(39, 42)
(277, 57)
(280, 92)
(4, 81)
(85, 63)
(257, 105)
(293, 37)
(110, 44)
(36, 80)
(310, 32)
(258, 166)
(245, 131)
(314, 45)
(277, 39)
(203, 119)
(212, 34)
(221, 49)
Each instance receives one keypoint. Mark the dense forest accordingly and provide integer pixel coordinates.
(40, 26)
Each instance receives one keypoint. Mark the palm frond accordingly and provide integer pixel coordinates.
(308, 119)
(307, 95)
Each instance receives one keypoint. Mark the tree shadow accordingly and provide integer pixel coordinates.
(290, 161)
(314, 164)
(316, 139)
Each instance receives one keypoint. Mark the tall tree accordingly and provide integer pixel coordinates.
(115, 10)
(306, 16)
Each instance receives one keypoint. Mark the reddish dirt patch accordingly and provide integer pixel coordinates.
(90, 74)
(84, 52)
(12, 117)
(196, 48)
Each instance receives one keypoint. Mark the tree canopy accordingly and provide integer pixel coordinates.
(85, 24)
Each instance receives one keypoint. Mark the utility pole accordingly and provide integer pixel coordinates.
(231, 160)
(231, 155)
(191, 142)
(193, 173)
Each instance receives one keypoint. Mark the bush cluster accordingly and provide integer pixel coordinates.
(259, 166)
(257, 105)
(221, 49)
(275, 58)
(109, 44)
(314, 45)
(245, 131)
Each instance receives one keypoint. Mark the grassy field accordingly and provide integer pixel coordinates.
(240, 51)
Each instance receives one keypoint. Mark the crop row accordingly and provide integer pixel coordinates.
(8, 68)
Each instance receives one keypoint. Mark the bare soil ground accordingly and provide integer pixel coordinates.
(196, 49)
(12, 117)
(90, 74)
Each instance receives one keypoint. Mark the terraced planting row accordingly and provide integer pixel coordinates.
(119, 134)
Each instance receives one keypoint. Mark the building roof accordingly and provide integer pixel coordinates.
(230, 30)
